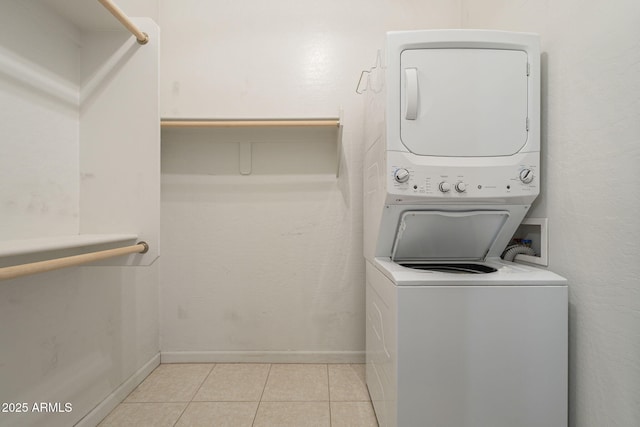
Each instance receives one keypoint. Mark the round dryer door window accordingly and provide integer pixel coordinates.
(464, 102)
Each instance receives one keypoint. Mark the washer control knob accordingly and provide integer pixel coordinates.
(401, 175)
(461, 187)
(444, 186)
(526, 176)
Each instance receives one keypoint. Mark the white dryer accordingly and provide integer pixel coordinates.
(456, 337)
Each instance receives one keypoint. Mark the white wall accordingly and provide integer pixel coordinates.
(73, 335)
(268, 266)
(591, 151)
(38, 81)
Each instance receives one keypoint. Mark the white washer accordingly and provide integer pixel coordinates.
(462, 350)
(451, 168)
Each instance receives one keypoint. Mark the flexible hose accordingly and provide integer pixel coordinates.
(511, 252)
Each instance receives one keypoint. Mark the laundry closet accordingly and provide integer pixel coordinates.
(226, 154)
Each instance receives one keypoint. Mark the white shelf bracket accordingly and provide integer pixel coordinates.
(339, 142)
(245, 158)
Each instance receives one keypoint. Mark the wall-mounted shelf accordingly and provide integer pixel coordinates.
(216, 123)
(245, 150)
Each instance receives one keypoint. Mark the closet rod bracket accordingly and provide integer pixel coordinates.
(145, 40)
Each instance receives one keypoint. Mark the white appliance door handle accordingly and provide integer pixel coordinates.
(411, 93)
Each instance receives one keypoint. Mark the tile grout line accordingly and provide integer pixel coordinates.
(194, 394)
(203, 381)
(261, 395)
(181, 413)
(329, 391)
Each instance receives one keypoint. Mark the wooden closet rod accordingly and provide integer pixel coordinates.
(195, 123)
(71, 261)
(143, 38)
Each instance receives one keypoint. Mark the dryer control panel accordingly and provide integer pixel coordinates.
(463, 182)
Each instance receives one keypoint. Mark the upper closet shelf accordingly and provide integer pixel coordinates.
(215, 123)
(245, 150)
(33, 246)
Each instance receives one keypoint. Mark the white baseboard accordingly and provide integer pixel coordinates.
(262, 357)
(103, 409)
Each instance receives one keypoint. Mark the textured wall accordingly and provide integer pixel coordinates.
(591, 123)
(39, 84)
(271, 263)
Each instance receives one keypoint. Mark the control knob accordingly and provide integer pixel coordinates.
(444, 186)
(526, 176)
(401, 175)
(461, 187)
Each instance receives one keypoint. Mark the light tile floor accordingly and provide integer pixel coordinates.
(248, 394)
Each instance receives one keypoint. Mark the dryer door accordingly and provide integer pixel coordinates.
(464, 102)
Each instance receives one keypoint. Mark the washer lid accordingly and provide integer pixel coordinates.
(437, 235)
(464, 102)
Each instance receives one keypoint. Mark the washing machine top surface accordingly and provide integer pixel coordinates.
(494, 272)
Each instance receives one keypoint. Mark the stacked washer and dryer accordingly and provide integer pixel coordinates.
(457, 337)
